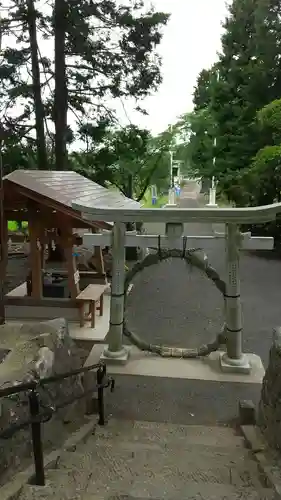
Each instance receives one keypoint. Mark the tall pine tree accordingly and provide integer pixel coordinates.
(104, 49)
(250, 72)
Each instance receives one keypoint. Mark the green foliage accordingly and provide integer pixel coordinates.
(160, 202)
(194, 138)
(202, 97)
(265, 171)
(103, 50)
(129, 158)
(237, 102)
(269, 120)
(15, 156)
(14, 226)
(249, 80)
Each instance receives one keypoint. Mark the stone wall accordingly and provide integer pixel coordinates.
(38, 350)
(269, 412)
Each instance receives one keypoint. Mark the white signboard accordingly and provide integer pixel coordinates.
(76, 277)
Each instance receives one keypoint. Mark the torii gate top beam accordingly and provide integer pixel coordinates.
(133, 212)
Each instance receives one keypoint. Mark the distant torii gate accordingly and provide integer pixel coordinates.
(232, 241)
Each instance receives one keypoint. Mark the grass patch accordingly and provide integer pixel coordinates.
(223, 202)
(161, 201)
(147, 200)
(13, 226)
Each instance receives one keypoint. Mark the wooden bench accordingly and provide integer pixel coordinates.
(91, 295)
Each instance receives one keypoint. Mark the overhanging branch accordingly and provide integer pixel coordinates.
(147, 181)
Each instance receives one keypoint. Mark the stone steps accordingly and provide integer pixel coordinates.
(157, 461)
(182, 448)
(108, 464)
(166, 433)
(71, 487)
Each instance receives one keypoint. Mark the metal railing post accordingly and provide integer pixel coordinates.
(37, 416)
(36, 438)
(101, 373)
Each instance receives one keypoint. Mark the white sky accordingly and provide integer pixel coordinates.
(190, 43)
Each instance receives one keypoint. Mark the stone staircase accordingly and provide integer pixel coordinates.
(145, 460)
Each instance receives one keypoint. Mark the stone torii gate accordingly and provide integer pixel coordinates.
(234, 360)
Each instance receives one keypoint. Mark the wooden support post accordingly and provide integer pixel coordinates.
(4, 247)
(43, 243)
(3, 263)
(35, 256)
(72, 272)
(93, 313)
(99, 259)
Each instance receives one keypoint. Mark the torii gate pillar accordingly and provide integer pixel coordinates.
(233, 360)
(115, 352)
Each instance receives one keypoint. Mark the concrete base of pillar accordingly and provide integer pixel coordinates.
(170, 205)
(229, 365)
(151, 365)
(212, 205)
(115, 357)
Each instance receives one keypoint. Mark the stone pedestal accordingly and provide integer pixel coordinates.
(171, 199)
(212, 198)
(115, 357)
(230, 365)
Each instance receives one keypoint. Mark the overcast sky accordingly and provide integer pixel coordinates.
(190, 43)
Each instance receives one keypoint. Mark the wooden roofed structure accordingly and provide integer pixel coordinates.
(51, 194)
(44, 199)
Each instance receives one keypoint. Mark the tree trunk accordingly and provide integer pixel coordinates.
(130, 252)
(130, 226)
(130, 187)
(38, 104)
(149, 178)
(60, 100)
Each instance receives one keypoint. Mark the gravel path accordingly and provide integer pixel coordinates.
(175, 305)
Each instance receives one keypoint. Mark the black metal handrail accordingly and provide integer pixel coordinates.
(32, 384)
(37, 416)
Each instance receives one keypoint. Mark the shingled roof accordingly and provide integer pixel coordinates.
(60, 189)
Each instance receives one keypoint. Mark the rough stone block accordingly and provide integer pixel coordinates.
(247, 412)
(253, 438)
(92, 407)
(36, 351)
(269, 411)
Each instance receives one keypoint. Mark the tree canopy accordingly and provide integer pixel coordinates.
(129, 158)
(236, 103)
(103, 49)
